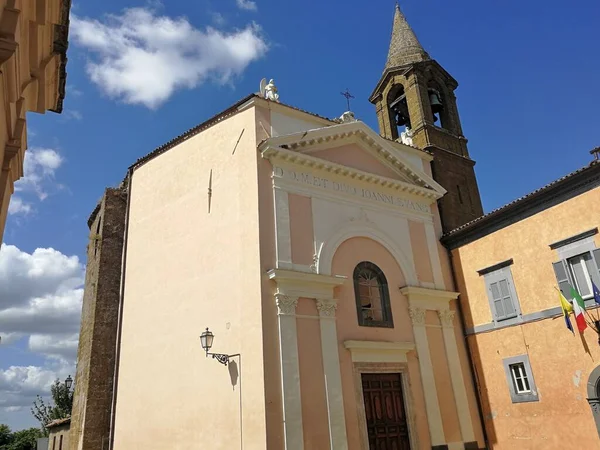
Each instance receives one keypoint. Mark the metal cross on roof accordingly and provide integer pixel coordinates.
(348, 96)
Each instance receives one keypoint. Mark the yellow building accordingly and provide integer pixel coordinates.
(538, 382)
(33, 46)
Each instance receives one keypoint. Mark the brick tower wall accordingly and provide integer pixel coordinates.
(90, 422)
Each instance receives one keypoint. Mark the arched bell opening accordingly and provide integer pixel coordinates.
(438, 105)
(398, 111)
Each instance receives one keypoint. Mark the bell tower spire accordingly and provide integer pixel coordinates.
(415, 103)
(405, 48)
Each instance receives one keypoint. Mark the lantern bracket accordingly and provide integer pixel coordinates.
(222, 358)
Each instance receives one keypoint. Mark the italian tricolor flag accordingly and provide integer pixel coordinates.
(578, 309)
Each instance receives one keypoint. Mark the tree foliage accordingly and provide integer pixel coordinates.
(63, 403)
(19, 440)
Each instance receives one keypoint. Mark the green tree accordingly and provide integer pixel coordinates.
(5, 436)
(63, 403)
(24, 440)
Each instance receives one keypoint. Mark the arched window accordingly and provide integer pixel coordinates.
(372, 296)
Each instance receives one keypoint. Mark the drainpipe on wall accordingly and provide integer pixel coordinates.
(111, 437)
(469, 356)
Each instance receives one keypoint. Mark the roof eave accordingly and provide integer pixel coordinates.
(554, 193)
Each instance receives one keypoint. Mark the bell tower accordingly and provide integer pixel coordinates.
(415, 101)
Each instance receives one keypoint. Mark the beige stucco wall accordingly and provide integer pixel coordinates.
(562, 417)
(58, 437)
(188, 269)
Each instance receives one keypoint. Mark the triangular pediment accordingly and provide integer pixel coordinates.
(354, 148)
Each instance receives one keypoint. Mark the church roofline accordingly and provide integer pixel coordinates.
(552, 194)
(280, 146)
(233, 109)
(212, 121)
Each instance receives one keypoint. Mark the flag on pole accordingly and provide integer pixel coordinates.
(566, 309)
(578, 309)
(596, 293)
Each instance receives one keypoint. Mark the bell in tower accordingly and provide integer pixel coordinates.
(416, 105)
(399, 111)
(435, 100)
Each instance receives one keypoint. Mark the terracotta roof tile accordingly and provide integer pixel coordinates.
(58, 422)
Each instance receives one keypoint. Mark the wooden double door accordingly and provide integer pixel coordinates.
(387, 427)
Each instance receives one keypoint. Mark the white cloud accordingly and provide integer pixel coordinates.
(218, 18)
(18, 206)
(40, 298)
(141, 57)
(19, 385)
(62, 347)
(39, 169)
(72, 114)
(246, 4)
(44, 273)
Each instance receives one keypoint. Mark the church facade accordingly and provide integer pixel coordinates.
(306, 252)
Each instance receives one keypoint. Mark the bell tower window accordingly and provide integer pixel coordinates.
(438, 105)
(398, 109)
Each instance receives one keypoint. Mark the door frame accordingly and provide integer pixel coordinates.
(399, 368)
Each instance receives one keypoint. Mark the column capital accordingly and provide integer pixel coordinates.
(327, 307)
(446, 317)
(286, 305)
(417, 315)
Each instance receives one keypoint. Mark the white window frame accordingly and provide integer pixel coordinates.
(587, 275)
(516, 395)
(519, 373)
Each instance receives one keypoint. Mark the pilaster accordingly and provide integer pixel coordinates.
(456, 376)
(434, 417)
(333, 377)
(290, 372)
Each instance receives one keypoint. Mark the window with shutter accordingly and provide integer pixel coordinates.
(563, 278)
(502, 295)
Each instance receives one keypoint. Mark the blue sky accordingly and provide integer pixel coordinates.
(527, 99)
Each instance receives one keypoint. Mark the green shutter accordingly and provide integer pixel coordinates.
(563, 279)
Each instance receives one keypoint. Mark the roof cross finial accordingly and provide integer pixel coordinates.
(348, 96)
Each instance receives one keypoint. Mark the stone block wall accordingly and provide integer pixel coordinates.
(456, 174)
(90, 425)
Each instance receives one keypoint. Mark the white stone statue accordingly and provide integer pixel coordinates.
(347, 117)
(269, 91)
(406, 137)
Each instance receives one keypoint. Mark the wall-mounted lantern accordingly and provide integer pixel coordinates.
(69, 382)
(206, 340)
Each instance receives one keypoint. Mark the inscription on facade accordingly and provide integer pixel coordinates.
(336, 186)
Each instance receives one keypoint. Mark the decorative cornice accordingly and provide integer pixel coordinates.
(446, 318)
(286, 305)
(305, 284)
(279, 147)
(417, 315)
(327, 308)
(426, 298)
(274, 154)
(378, 351)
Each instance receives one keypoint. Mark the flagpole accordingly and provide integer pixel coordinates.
(589, 322)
